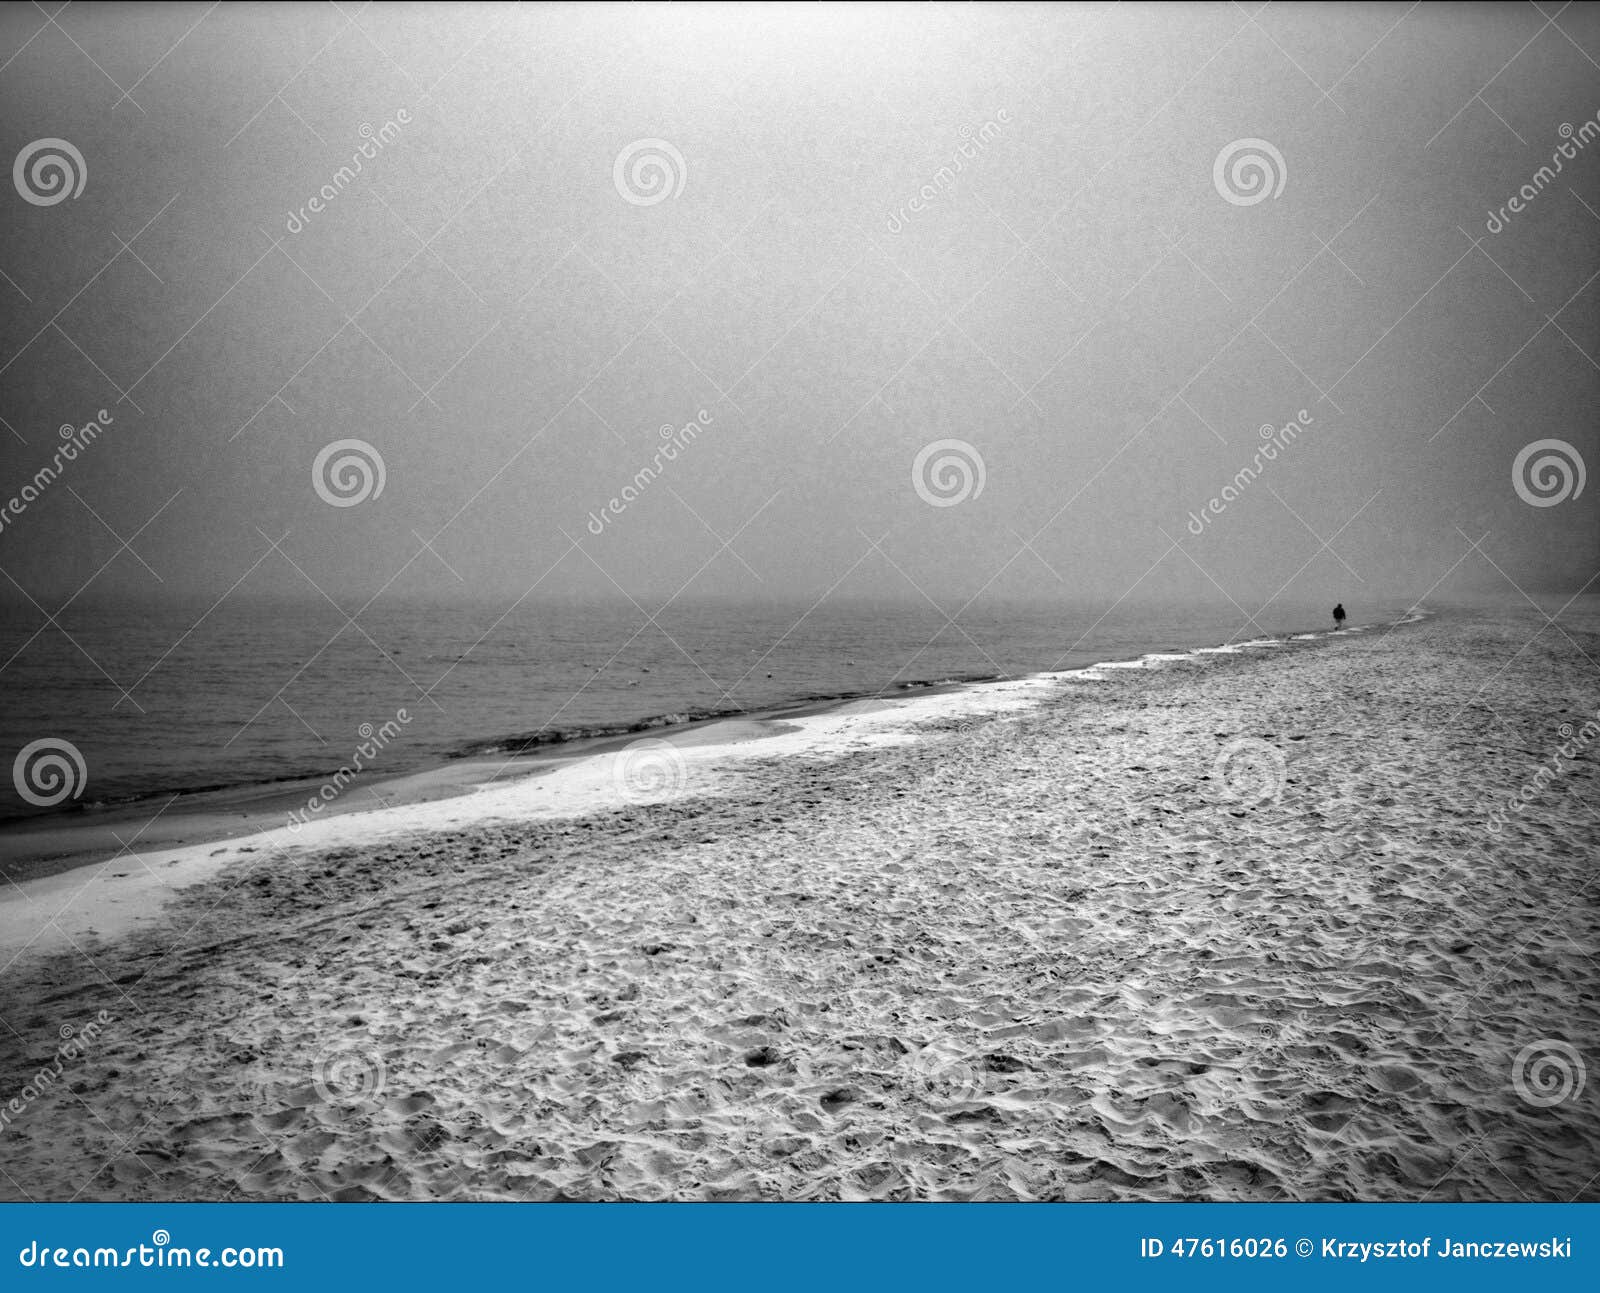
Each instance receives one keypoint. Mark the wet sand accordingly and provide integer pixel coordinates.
(1237, 925)
(51, 843)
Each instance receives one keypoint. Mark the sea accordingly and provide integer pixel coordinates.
(165, 698)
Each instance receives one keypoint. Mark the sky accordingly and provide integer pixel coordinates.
(962, 302)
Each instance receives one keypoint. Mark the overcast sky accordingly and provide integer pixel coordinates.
(841, 233)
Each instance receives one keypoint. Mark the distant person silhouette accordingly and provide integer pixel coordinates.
(1338, 616)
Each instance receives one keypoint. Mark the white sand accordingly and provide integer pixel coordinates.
(1013, 942)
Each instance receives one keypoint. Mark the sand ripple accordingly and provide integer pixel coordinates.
(1031, 956)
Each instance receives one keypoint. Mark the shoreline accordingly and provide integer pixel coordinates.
(49, 844)
(551, 743)
(81, 894)
(46, 844)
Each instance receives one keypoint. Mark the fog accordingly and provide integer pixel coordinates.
(799, 245)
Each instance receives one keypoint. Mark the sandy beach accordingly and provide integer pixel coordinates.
(1247, 924)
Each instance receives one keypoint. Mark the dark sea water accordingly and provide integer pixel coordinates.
(181, 696)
